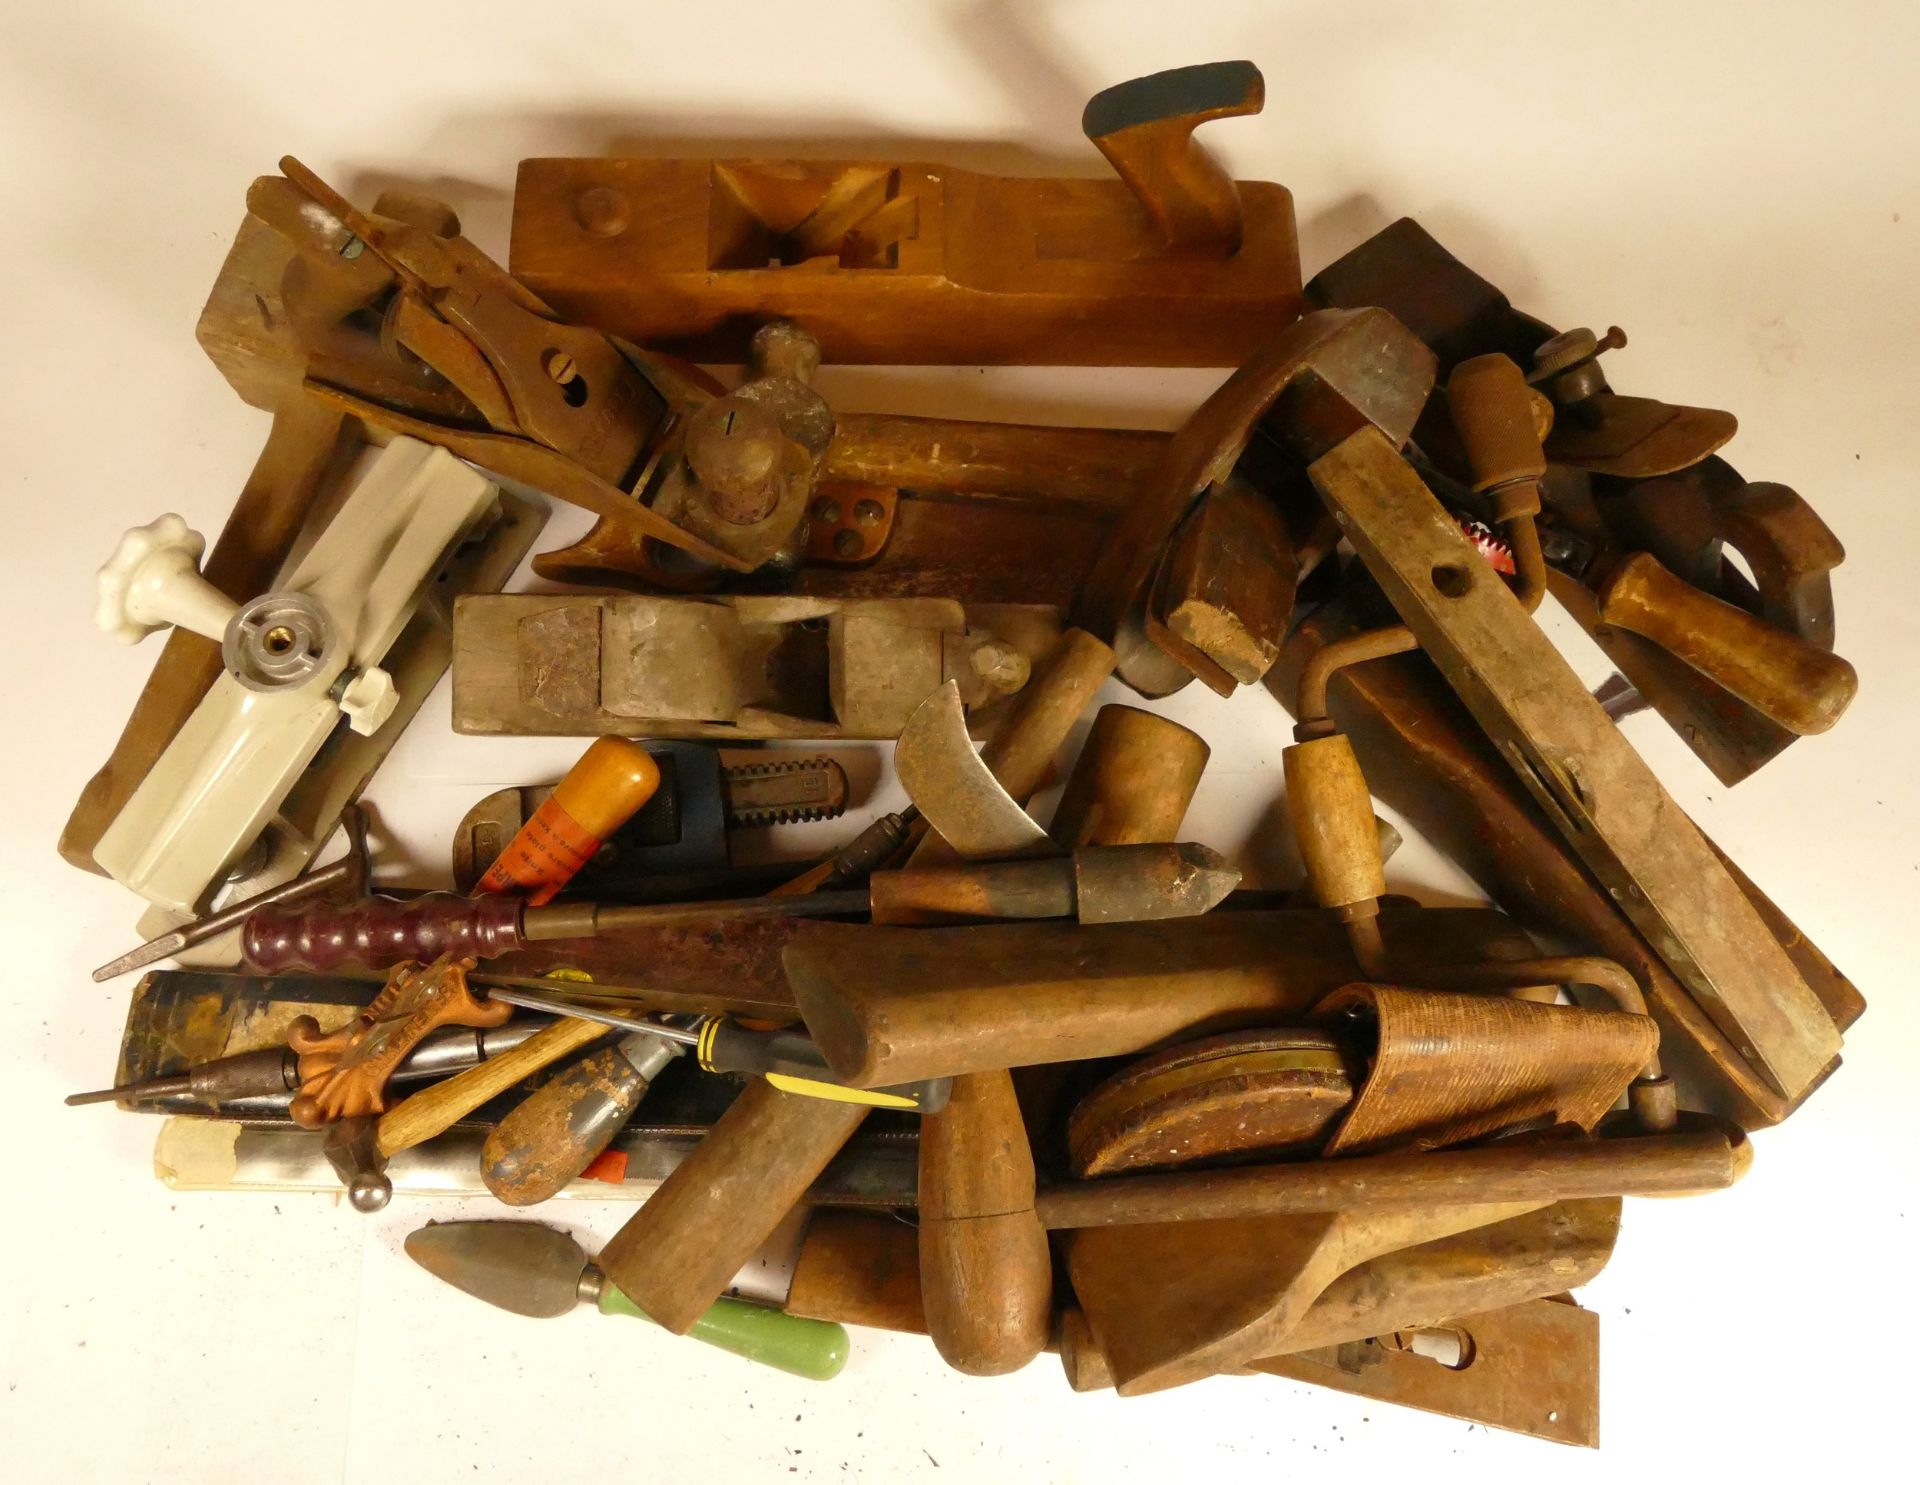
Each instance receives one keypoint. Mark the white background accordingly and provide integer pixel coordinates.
(1735, 183)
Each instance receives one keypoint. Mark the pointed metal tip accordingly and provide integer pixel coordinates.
(1206, 877)
(1147, 882)
(148, 953)
(101, 1095)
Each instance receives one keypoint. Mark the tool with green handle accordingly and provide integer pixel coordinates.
(531, 1269)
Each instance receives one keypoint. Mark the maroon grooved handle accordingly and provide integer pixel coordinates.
(381, 932)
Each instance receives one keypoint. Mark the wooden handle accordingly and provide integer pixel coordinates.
(380, 931)
(677, 1254)
(1133, 781)
(435, 1109)
(1145, 129)
(993, 890)
(562, 1127)
(895, 1005)
(1021, 752)
(1796, 684)
(1493, 414)
(1653, 1165)
(859, 1268)
(1332, 812)
(986, 1276)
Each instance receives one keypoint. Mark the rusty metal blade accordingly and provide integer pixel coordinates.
(953, 787)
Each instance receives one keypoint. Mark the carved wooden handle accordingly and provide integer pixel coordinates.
(1802, 687)
(1145, 129)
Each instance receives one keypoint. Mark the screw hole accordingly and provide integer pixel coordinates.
(566, 374)
(1452, 580)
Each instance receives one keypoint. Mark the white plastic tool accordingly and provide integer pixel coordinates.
(296, 659)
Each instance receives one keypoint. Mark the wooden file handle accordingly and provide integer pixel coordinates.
(1145, 129)
(1797, 684)
(438, 1107)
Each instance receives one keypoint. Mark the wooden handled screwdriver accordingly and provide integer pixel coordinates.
(564, 1125)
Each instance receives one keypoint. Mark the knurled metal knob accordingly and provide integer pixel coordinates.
(1571, 347)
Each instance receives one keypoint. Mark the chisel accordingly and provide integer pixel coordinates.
(276, 1070)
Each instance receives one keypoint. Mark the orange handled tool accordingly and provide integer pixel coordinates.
(600, 793)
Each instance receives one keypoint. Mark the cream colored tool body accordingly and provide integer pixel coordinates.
(296, 659)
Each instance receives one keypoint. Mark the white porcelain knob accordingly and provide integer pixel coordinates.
(368, 700)
(152, 580)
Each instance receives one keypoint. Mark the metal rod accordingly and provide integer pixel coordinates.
(556, 1007)
(349, 871)
(590, 920)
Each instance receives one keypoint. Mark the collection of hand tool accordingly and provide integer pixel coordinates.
(1017, 1086)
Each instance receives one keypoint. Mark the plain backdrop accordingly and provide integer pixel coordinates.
(1733, 182)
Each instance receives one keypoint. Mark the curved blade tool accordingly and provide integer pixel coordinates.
(952, 786)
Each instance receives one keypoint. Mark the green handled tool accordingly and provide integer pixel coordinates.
(541, 1271)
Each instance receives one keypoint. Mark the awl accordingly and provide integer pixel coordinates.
(540, 1271)
(274, 1071)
